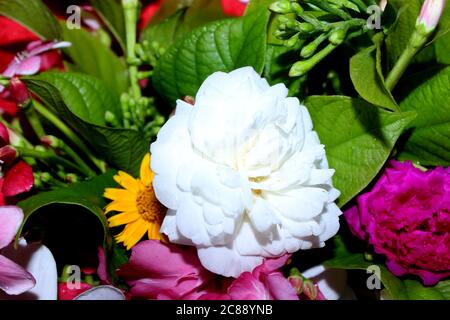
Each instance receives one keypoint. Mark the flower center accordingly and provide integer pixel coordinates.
(150, 209)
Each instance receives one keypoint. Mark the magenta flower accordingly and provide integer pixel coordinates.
(32, 60)
(14, 279)
(430, 14)
(406, 217)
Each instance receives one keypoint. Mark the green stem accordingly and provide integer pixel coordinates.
(130, 8)
(415, 44)
(49, 156)
(32, 117)
(69, 151)
(69, 133)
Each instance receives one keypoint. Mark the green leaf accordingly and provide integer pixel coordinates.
(112, 14)
(367, 77)
(87, 195)
(429, 142)
(82, 101)
(91, 56)
(34, 15)
(358, 139)
(219, 46)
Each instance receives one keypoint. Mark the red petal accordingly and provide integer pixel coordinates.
(18, 179)
(148, 13)
(4, 135)
(233, 8)
(12, 33)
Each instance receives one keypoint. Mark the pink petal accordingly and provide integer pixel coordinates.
(247, 287)
(18, 179)
(102, 271)
(152, 258)
(13, 278)
(10, 220)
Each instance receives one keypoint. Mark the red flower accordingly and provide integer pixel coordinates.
(17, 176)
(14, 39)
(234, 8)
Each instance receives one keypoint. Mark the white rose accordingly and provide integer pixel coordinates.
(243, 174)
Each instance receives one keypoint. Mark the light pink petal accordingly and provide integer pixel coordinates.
(280, 288)
(47, 47)
(13, 278)
(11, 71)
(29, 66)
(10, 221)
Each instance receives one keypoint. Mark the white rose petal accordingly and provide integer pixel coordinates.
(243, 174)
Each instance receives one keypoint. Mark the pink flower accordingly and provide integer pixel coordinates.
(430, 14)
(34, 58)
(234, 7)
(14, 279)
(17, 176)
(167, 271)
(265, 282)
(406, 217)
(164, 271)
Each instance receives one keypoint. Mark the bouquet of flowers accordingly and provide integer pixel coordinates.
(224, 149)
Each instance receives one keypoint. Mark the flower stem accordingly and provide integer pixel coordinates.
(130, 8)
(71, 153)
(69, 133)
(50, 157)
(416, 43)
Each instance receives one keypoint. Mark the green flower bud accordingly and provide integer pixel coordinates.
(301, 67)
(309, 50)
(305, 27)
(283, 6)
(338, 36)
(292, 42)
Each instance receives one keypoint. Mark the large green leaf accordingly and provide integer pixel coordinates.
(91, 56)
(82, 101)
(429, 143)
(112, 14)
(87, 195)
(358, 139)
(219, 46)
(367, 77)
(34, 15)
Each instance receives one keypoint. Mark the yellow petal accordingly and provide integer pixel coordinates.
(119, 194)
(146, 173)
(123, 218)
(134, 232)
(127, 181)
(121, 206)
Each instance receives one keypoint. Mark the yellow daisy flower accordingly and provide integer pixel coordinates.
(139, 209)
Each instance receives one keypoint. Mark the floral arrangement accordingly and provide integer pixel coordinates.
(224, 149)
